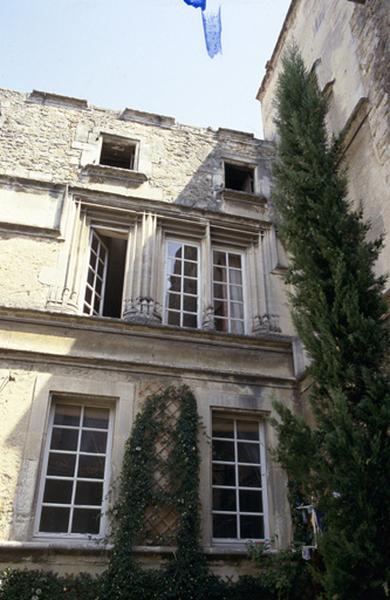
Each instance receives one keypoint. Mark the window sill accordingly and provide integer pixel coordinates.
(246, 197)
(106, 174)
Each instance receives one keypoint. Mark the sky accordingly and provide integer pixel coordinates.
(145, 54)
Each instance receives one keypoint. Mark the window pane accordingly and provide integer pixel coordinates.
(252, 527)
(235, 260)
(220, 291)
(190, 269)
(219, 258)
(96, 305)
(93, 441)
(100, 269)
(249, 476)
(251, 501)
(173, 318)
(220, 308)
(237, 327)
(91, 467)
(174, 283)
(94, 243)
(175, 249)
(236, 293)
(89, 492)
(236, 310)
(190, 321)
(248, 453)
(86, 520)
(223, 427)
(54, 519)
(219, 274)
(174, 301)
(190, 303)
(190, 286)
(224, 526)
(98, 286)
(88, 295)
(224, 475)
(247, 430)
(235, 277)
(61, 464)
(64, 439)
(91, 277)
(58, 491)
(223, 451)
(190, 253)
(96, 417)
(221, 324)
(224, 499)
(67, 415)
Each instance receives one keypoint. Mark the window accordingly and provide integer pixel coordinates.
(118, 152)
(182, 284)
(239, 178)
(105, 274)
(228, 291)
(238, 479)
(75, 470)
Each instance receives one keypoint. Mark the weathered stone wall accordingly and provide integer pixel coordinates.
(347, 43)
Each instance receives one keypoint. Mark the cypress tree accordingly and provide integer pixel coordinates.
(342, 463)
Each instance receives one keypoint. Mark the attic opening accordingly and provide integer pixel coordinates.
(239, 178)
(117, 152)
(105, 277)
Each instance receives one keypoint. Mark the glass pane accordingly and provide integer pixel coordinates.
(249, 476)
(220, 308)
(175, 249)
(64, 439)
(190, 269)
(174, 301)
(223, 450)
(98, 286)
(173, 318)
(219, 258)
(223, 427)
(190, 286)
(220, 291)
(95, 243)
(100, 269)
(224, 475)
(88, 295)
(219, 274)
(235, 261)
(93, 441)
(190, 253)
(61, 464)
(235, 277)
(221, 324)
(67, 415)
(224, 499)
(190, 321)
(86, 520)
(190, 303)
(236, 293)
(237, 327)
(91, 467)
(90, 277)
(247, 430)
(236, 310)
(224, 526)
(249, 453)
(96, 305)
(89, 492)
(54, 519)
(174, 283)
(58, 491)
(96, 417)
(252, 527)
(251, 501)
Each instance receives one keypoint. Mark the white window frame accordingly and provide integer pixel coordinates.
(232, 250)
(104, 506)
(199, 282)
(263, 472)
(93, 232)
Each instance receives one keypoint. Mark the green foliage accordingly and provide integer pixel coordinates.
(341, 465)
(41, 585)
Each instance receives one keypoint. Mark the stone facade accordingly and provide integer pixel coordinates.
(347, 44)
(59, 199)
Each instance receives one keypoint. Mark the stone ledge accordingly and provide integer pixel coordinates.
(104, 174)
(239, 196)
(39, 97)
(130, 114)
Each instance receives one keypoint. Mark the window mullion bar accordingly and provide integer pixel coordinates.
(76, 467)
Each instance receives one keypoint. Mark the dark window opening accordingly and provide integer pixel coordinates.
(117, 153)
(115, 276)
(239, 178)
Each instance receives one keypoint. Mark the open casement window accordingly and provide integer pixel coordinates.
(228, 291)
(75, 471)
(239, 505)
(118, 152)
(181, 303)
(105, 274)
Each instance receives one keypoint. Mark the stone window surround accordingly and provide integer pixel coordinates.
(117, 396)
(144, 286)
